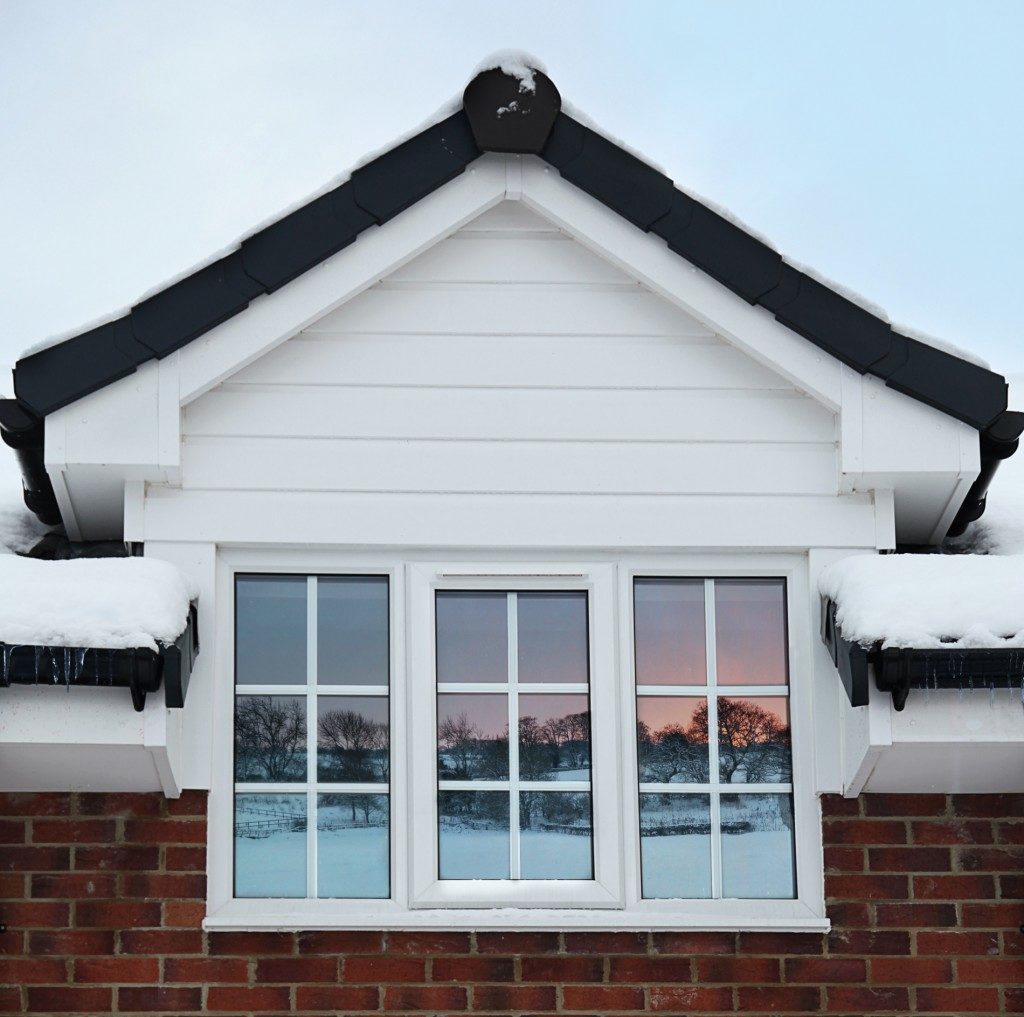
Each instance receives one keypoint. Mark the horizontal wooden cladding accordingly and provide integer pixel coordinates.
(512, 361)
(502, 414)
(317, 464)
(508, 521)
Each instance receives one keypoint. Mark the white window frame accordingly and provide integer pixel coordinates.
(613, 899)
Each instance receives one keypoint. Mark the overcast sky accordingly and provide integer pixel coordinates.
(878, 141)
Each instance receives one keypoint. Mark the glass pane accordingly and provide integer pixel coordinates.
(672, 739)
(758, 857)
(270, 630)
(353, 848)
(352, 739)
(552, 632)
(352, 630)
(554, 737)
(750, 631)
(754, 745)
(555, 835)
(675, 845)
(472, 637)
(270, 845)
(270, 738)
(473, 834)
(472, 736)
(669, 632)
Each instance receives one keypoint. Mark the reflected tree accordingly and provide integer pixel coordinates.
(674, 753)
(754, 744)
(270, 739)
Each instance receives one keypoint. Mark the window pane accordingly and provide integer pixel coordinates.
(669, 632)
(472, 637)
(758, 856)
(270, 738)
(353, 847)
(270, 630)
(473, 835)
(270, 845)
(675, 845)
(554, 737)
(472, 736)
(352, 739)
(352, 630)
(555, 835)
(672, 739)
(754, 745)
(750, 626)
(552, 631)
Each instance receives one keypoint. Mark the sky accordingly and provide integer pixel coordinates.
(879, 142)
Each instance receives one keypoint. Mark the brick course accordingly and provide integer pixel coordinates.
(103, 898)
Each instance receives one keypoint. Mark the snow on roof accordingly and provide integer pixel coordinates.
(115, 603)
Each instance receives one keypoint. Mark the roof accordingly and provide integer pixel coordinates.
(504, 110)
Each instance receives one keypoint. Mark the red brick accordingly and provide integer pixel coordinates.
(119, 804)
(517, 942)
(820, 970)
(513, 997)
(904, 805)
(342, 997)
(605, 942)
(16, 803)
(956, 1000)
(162, 885)
(343, 942)
(116, 914)
(689, 998)
(191, 803)
(972, 887)
(602, 997)
(185, 858)
(987, 970)
(864, 831)
(428, 942)
(737, 969)
(835, 805)
(1011, 887)
(1003, 915)
(951, 833)
(649, 969)
(13, 831)
(778, 998)
(424, 997)
(183, 914)
(10, 1000)
(910, 859)
(844, 858)
(560, 969)
(72, 831)
(203, 970)
(951, 944)
(904, 916)
(220, 998)
(117, 858)
(991, 859)
(694, 942)
(161, 941)
(36, 914)
(29, 858)
(297, 969)
(255, 943)
(157, 998)
(12, 884)
(863, 941)
(379, 969)
(73, 942)
(165, 831)
(118, 970)
(76, 885)
(995, 806)
(478, 969)
(910, 970)
(781, 942)
(865, 999)
(1009, 832)
(69, 999)
(32, 970)
(867, 887)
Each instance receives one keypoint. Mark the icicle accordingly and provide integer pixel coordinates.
(38, 663)
(992, 695)
(79, 663)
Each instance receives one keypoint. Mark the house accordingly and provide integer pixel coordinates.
(476, 589)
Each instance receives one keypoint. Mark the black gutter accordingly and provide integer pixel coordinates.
(897, 670)
(499, 115)
(141, 670)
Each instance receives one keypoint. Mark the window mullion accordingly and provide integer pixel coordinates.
(311, 740)
(513, 735)
(716, 805)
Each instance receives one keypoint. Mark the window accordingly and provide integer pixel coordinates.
(604, 744)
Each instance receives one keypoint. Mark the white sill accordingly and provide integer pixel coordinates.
(304, 916)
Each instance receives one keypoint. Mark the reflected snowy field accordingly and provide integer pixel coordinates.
(483, 854)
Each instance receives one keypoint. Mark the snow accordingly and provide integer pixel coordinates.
(114, 603)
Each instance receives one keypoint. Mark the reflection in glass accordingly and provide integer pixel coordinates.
(552, 637)
(352, 630)
(352, 739)
(555, 835)
(270, 738)
(473, 834)
(758, 857)
(472, 736)
(754, 745)
(270, 845)
(270, 630)
(750, 626)
(675, 845)
(472, 637)
(672, 739)
(670, 635)
(554, 737)
(353, 845)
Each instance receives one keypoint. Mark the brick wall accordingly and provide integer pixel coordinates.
(103, 898)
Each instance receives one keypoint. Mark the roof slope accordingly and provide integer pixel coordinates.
(504, 112)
